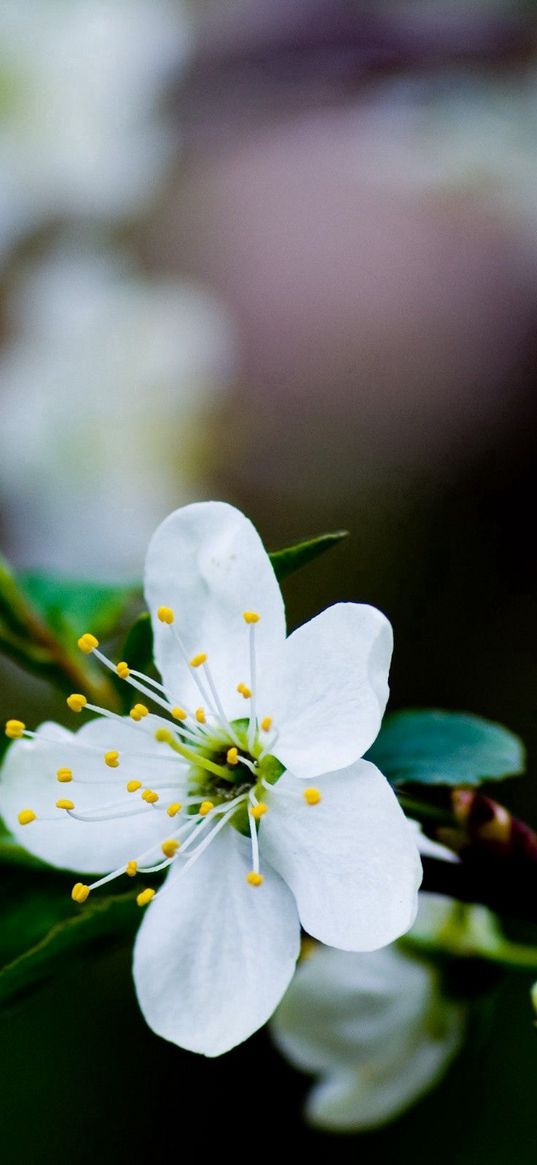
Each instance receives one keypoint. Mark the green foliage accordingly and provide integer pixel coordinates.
(292, 558)
(44, 928)
(137, 648)
(72, 606)
(432, 747)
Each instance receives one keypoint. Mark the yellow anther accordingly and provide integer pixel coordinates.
(198, 659)
(200, 716)
(266, 723)
(145, 896)
(133, 786)
(80, 892)
(64, 804)
(64, 776)
(179, 714)
(131, 869)
(165, 614)
(123, 670)
(26, 816)
(258, 811)
(232, 756)
(244, 691)
(312, 796)
(15, 729)
(174, 808)
(253, 878)
(169, 848)
(163, 735)
(138, 712)
(205, 808)
(150, 796)
(87, 643)
(251, 616)
(111, 759)
(76, 702)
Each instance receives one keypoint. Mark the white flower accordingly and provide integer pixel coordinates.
(259, 742)
(82, 131)
(375, 1027)
(105, 371)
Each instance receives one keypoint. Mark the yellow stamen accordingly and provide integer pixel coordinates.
(150, 796)
(80, 892)
(163, 735)
(258, 811)
(266, 723)
(76, 702)
(179, 714)
(205, 808)
(133, 786)
(251, 616)
(15, 729)
(253, 878)
(232, 756)
(174, 809)
(200, 716)
(64, 776)
(111, 759)
(64, 804)
(244, 691)
(26, 816)
(169, 848)
(138, 712)
(198, 659)
(131, 869)
(123, 670)
(312, 796)
(145, 896)
(87, 643)
(165, 614)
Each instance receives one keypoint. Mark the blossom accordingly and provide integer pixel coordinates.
(93, 338)
(83, 131)
(252, 765)
(375, 1027)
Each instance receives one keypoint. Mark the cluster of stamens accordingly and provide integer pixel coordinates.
(226, 773)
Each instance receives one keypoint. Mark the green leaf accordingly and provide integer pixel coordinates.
(137, 649)
(72, 606)
(292, 558)
(107, 918)
(445, 748)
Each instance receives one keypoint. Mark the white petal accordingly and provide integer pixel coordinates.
(336, 689)
(376, 1028)
(352, 1101)
(214, 955)
(362, 1002)
(207, 562)
(29, 782)
(351, 860)
(429, 848)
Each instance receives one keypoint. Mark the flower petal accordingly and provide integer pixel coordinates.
(207, 562)
(350, 860)
(214, 955)
(374, 1025)
(29, 781)
(336, 689)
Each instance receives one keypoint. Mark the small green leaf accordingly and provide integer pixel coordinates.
(445, 748)
(108, 918)
(72, 606)
(292, 558)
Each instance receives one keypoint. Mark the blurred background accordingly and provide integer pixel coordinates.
(280, 252)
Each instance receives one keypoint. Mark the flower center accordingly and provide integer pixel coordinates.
(212, 771)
